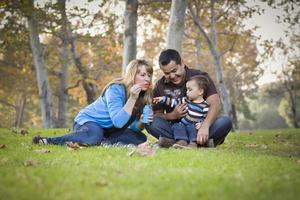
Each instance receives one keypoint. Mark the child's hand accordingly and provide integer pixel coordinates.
(198, 125)
(157, 100)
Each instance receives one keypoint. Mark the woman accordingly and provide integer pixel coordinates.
(114, 116)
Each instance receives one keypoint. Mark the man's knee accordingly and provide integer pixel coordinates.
(226, 123)
(156, 127)
(222, 127)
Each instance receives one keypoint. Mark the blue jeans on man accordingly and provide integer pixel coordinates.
(162, 128)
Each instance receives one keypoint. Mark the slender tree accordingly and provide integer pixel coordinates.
(213, 46)
(176, 25)
(63, 92)
(40, 67)
(130, 32)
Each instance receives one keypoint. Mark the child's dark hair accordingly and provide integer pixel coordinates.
(168, 55)
(202, 82)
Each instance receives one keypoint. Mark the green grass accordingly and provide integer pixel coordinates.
(257, 165)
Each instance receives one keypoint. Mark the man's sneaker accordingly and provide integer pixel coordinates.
(193, 145)
(166, 142)
(39, 140)
(210, 143)
(180, 144)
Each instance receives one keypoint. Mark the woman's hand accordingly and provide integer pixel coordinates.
(150, 118)
(135, 91)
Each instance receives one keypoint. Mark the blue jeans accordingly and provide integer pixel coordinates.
(217, 131)
(187, 132)
(91, 133)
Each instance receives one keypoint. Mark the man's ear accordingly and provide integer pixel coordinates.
(182, 62)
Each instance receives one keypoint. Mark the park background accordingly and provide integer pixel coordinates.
(56, 56)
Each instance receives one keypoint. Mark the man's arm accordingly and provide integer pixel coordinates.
(213, 112)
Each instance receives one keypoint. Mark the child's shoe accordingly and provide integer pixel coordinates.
(210, 143)
(165, 142)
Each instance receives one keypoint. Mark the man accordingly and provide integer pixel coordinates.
(173, 84)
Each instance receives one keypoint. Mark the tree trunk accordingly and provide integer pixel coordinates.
(45, 92)
(293, 105)
(21, 102)
(176, 25)
(213, 46)
(63, 92)
(234, 119)
(130, 16)
(198, 52)
(88, 86)
(218, 66)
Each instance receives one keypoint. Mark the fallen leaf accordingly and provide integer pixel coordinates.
(24, 132)
(298, 161)
(42, 151)
(2, 146)
(29, 163)
(251, 145)
(263, 146)
(102, 183)
(75, 146)
(143, 149)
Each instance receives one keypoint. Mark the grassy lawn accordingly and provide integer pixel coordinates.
(250, 165)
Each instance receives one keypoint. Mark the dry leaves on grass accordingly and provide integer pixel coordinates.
(2, 146)
(20, 131)
(102, 183)
(75, 146)
(30, 163)
(143, 149)
(42, 151)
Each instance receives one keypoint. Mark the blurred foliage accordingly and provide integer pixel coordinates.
(99, 42)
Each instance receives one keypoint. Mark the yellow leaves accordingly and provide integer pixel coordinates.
(42, 151)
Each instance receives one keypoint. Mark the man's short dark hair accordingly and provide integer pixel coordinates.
(167, 56)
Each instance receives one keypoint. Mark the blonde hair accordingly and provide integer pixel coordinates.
(132, 69)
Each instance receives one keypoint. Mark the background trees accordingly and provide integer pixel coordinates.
(83, 46)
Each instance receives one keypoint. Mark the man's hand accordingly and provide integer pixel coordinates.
(202, 135)
(179, 111)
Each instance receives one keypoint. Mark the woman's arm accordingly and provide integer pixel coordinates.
(119, 109)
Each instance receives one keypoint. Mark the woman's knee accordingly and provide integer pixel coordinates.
(94, 133)
(142, 138)
(156, 126)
